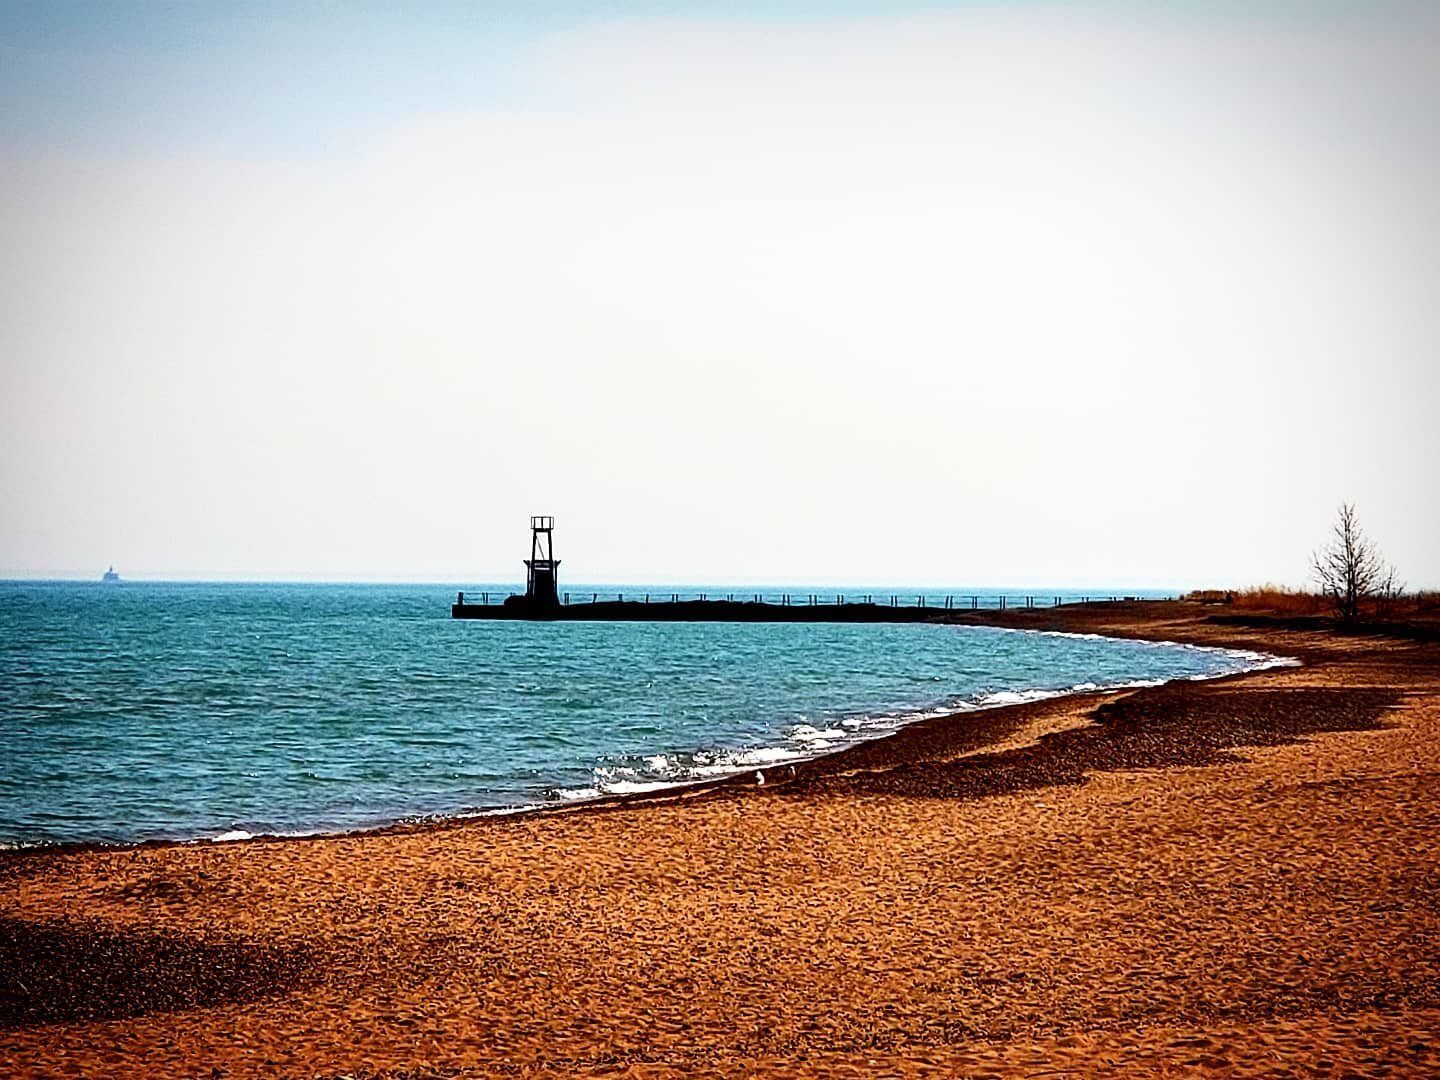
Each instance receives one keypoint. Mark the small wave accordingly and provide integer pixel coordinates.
(573, 794)
(636, 787)
(659, 772)
(1014, 697)
(1071, 634)
(233, 835)
(503, 811)
(760, 755)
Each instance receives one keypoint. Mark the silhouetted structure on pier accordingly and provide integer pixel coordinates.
(542, 599)
(541, 569)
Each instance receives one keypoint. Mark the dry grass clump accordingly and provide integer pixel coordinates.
(1279, 600)
(1271, 599)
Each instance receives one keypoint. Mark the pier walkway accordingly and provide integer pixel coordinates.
(751, 607)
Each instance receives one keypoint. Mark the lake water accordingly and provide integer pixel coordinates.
(140, 710)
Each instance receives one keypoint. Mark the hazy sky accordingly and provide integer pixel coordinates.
(954, 294)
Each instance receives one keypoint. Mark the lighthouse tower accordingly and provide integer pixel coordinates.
(541, 568)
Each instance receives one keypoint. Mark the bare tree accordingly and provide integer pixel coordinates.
(1350, 568)
(1387, 597)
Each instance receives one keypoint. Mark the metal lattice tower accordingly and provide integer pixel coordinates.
(542, 568)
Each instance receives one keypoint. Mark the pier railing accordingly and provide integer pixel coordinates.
(939, 601)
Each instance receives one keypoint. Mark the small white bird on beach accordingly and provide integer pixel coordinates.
(759, 777)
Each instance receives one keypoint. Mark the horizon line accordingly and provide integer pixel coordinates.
(23, 577)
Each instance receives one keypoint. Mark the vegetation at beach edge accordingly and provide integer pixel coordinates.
(1353, 583)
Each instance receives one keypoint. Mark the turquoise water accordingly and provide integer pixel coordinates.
(146, 711)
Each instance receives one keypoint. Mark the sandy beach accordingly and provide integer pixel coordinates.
(1239, 876)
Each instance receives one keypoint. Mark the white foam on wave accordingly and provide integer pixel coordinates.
(233, 835)
(636, 787)
(495, 811)
(729, 762)
(1013, 697)
(703, 765)
(1074, 635)
(762, 755)
(572, 794)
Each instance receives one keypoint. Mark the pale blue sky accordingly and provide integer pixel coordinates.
(1105, 294)
(307, 77)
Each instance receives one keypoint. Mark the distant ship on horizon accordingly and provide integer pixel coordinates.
(110, 576)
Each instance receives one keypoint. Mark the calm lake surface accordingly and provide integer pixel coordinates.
(140, 710)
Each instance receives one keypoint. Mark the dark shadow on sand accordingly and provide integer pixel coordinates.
(61, 970)
(1177, 724)
(1399, 629)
